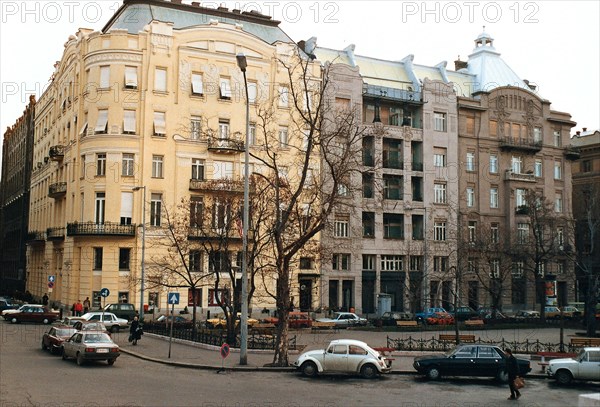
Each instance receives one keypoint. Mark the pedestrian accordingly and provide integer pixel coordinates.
(86, 305)
(45, 299)
(135, 331)
(78, 308)
(512, 368)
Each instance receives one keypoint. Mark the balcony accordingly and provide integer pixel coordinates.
(525, 145)
(214, 185)
(35, 236)
(100, 229)
(391, 94)
(510, 175)
(522, 210)
(225, 145)
(214, 234)
(57, 190)
(57, 152)
(572, 153)
(55, 233)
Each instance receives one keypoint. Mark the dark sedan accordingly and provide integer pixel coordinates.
(391, 317)
(469, 360)
(33, 313)
(54, 338)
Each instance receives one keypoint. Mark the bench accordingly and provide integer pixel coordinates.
(474, 322)
(407, 324)
(551, 355)
(461, 338)
(581, 342)
(263, 328)
(316, 326)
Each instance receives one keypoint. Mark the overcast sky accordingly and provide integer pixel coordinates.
(554, 44)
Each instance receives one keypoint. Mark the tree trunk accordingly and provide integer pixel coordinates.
(283, 306)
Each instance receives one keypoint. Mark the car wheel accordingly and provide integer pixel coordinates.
(368, 371)
(502, 376)
(44, 347)
(114, 329)
(79, 359)
(64, 355)
(563, 377)
(309, 369)
(46, 321)
(433, 373)
(14, 320)
(110, 361)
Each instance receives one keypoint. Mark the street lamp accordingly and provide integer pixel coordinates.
(243, 64)
(143, 249)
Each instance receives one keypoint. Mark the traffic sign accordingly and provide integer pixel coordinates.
(173, 298)
(50, 284)
(105, 292)
(51, 279)
(224, 350)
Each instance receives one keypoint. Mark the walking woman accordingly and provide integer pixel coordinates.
(512, 368)
(135, 331)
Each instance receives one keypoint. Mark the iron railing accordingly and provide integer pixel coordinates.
(105, 229)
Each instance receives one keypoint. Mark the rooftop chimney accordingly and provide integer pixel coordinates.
(578, 133)
(458, 64)
(584, 129)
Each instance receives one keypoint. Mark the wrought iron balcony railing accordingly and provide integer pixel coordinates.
(55, 233)
(35, 236)
(526, 145)
(225, 145)
(57, 152)
(100, 229)
(57, 190)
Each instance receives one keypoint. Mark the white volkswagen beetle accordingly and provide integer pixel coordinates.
(344, 356)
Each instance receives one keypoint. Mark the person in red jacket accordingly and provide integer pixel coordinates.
(78, 308)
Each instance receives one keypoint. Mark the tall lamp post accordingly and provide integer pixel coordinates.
(242, 64)
(143, 249)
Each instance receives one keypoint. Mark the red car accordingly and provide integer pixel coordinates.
(440, 318)
(33, 314)
(297, 320)
(54, 338)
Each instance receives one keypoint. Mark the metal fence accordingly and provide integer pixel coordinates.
(434, 344)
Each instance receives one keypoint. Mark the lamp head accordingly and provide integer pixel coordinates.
(241, 62)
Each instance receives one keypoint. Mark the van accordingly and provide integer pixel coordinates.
(123, 310)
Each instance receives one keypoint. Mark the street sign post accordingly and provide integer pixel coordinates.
(224, 353)
(172, 298)
(104, 292)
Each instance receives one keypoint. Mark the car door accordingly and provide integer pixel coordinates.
(462, 363)
(589, 367)
(356, 354)
(488, 362)
(70, 346)
(336, 358)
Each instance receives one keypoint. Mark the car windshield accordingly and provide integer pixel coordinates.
(97, 338)
(65, 332)
(581, 355)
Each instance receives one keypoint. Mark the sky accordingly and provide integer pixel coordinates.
(554, 44)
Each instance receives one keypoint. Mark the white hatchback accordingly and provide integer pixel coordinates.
(584, 366)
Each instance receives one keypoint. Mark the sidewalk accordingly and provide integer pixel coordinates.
(188, 354)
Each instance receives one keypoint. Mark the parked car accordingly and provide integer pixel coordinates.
(110, 320)
(464, 313)
(440, 318)
(524, 314)
(487, 313)
(584, 366)
(6, 304)
(69, 321)
(469, 360)
(90, 345)
(429, 312)
(6, 313)
(90, 326)
(221, 322)
(344, 356)
(345, 319)
(54, 338)
(297, 320)
(571, 312)
(178, 321)
(122, 310)
(30, 313)
(391, 317)
(552, 312)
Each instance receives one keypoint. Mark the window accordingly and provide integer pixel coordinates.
(195, 127)
(342, 189)
(518, 267)
(252, 92)
(470, 161)
(195, 261)
(196, 211)
(493, 164)
(340, 228)
(557, 139)
(537, 135)
(439, 191)
(197, 169)
(127, 165)
(306, 263)
(417, 227)
(129, 122)
(104, 77)
(160, 124)
(131, 80)
(283, 96)
(472, 231)
(392, 187)
(537, 168)
(221, 215)
(252, 134)
(124, 257)
(439, 231)
(439, 158)
(341, 261)
(283, 136)
(368, 222)
(216, 297)
(100, 164)
(522, 233)
(160, 79)
(495, 233)
(197, 85)
(557, 170)
(97, 258)
(367, 184)
(155, 209)
(157, 166)
(470, 197)
(558, 202)
(368, 262)
(393, 226)
(392, 263)
(225, 89)
(126, 207)
(560, 236)
(517, 165)
(521, 197)
(441, 264)
(494, 197)
(416, 263)
(560, 267)
(439, 121)
(102, 123)
(495, 268)
(392, 153)
(223, 129)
